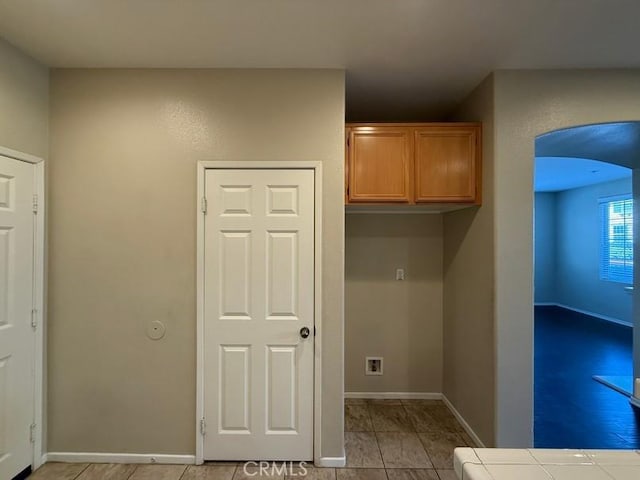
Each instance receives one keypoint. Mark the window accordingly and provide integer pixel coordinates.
(616, 244)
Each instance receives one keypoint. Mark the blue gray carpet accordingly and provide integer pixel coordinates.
(571, 410)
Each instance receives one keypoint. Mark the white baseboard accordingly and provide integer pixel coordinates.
(463, 422)
(81, 457)
(586, 312)
(545, 304)
(395, 395)
(331, 462)
(78, 457)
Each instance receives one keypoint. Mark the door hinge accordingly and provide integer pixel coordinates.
(34, 318)
(32, 433)
(35, 203)
(203, 205)
(203, 426)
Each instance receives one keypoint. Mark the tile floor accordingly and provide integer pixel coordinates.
(384, 440)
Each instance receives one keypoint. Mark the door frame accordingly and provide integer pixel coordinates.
(203, 166)
(38, 304)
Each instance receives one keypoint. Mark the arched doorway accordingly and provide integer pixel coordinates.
(584, 281)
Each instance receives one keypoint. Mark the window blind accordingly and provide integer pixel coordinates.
(616, 243)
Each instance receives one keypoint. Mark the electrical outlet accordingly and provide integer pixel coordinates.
(373, 366)
(400, 274)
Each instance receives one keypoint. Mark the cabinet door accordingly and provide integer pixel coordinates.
(380, 161)
(447, 164)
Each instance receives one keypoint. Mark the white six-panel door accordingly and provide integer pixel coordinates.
(258, 295)
(17, 344)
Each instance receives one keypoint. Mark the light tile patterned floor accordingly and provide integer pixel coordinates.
(384, 440)
(410, 439)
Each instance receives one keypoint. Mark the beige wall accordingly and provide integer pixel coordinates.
(527, 104)
(469, 367)
(24, 102)
(398, 320)
(124, 147)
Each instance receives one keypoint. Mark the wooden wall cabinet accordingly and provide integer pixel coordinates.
(413, 163)
(446, 162)
(380, 165)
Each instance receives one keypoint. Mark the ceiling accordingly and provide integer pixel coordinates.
(586, 155)
(555, 174)
(405, 59)
(617, 143)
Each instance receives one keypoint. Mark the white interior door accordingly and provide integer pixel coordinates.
(258, 295)
(17, 340)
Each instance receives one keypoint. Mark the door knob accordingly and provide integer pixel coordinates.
(305, 332)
